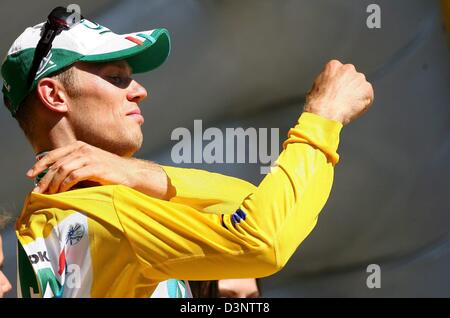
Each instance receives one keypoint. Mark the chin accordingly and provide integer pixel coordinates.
(121, 146)
(127, 143)
(128, 149)
(124, 142)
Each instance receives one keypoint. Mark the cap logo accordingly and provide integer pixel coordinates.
(95, 26)
(7, 87)
(134, 40)
(46, 65)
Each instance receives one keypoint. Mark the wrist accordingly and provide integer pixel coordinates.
(149, 178)
(317, 131)
(324, 110)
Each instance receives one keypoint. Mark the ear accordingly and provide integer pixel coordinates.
(52, 95)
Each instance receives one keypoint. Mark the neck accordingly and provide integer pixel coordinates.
(56, 136)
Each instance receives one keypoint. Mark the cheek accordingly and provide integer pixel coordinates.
(99, 104)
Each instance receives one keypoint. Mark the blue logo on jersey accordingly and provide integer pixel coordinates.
(238, 216)
(75, 234)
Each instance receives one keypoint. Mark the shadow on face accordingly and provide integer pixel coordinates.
(105, 111)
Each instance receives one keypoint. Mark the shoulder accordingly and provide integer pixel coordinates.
(48, 210)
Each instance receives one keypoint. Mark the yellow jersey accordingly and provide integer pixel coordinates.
(113, 241)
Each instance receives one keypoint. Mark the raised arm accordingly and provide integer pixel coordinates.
(260, 237)
(176, 240)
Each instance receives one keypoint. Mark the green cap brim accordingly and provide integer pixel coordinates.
(141, 58)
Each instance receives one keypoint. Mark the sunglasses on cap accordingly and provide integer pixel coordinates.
(60, 19)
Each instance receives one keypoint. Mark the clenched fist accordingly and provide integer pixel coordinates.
(339, 93)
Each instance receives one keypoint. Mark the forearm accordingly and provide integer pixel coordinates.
(149, 178)
(205, 191)
(284, 208)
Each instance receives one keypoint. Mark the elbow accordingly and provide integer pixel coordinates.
(268, 261)
(274, 268)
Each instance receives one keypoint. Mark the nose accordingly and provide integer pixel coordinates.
(136, 92)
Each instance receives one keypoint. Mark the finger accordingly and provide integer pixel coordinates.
(64, 169)
(367, 91)
(51, 157)
(333, 67)
(313, 88)
(87, 172)
(371, 92)
(362, 112)
(42, 186)
(348, 71)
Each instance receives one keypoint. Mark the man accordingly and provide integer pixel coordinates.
(127, 225)
(5, 285)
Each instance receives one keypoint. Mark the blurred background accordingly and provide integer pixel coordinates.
(249, 63)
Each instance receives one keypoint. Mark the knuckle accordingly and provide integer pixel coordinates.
(80, 144)
(62, 168)
(74, 175)
(333, 64)
(42, 184)
(349, 67)
(85, 149)
(64, 184)
(47, 157)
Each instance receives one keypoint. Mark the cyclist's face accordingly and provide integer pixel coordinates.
(106, 111)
